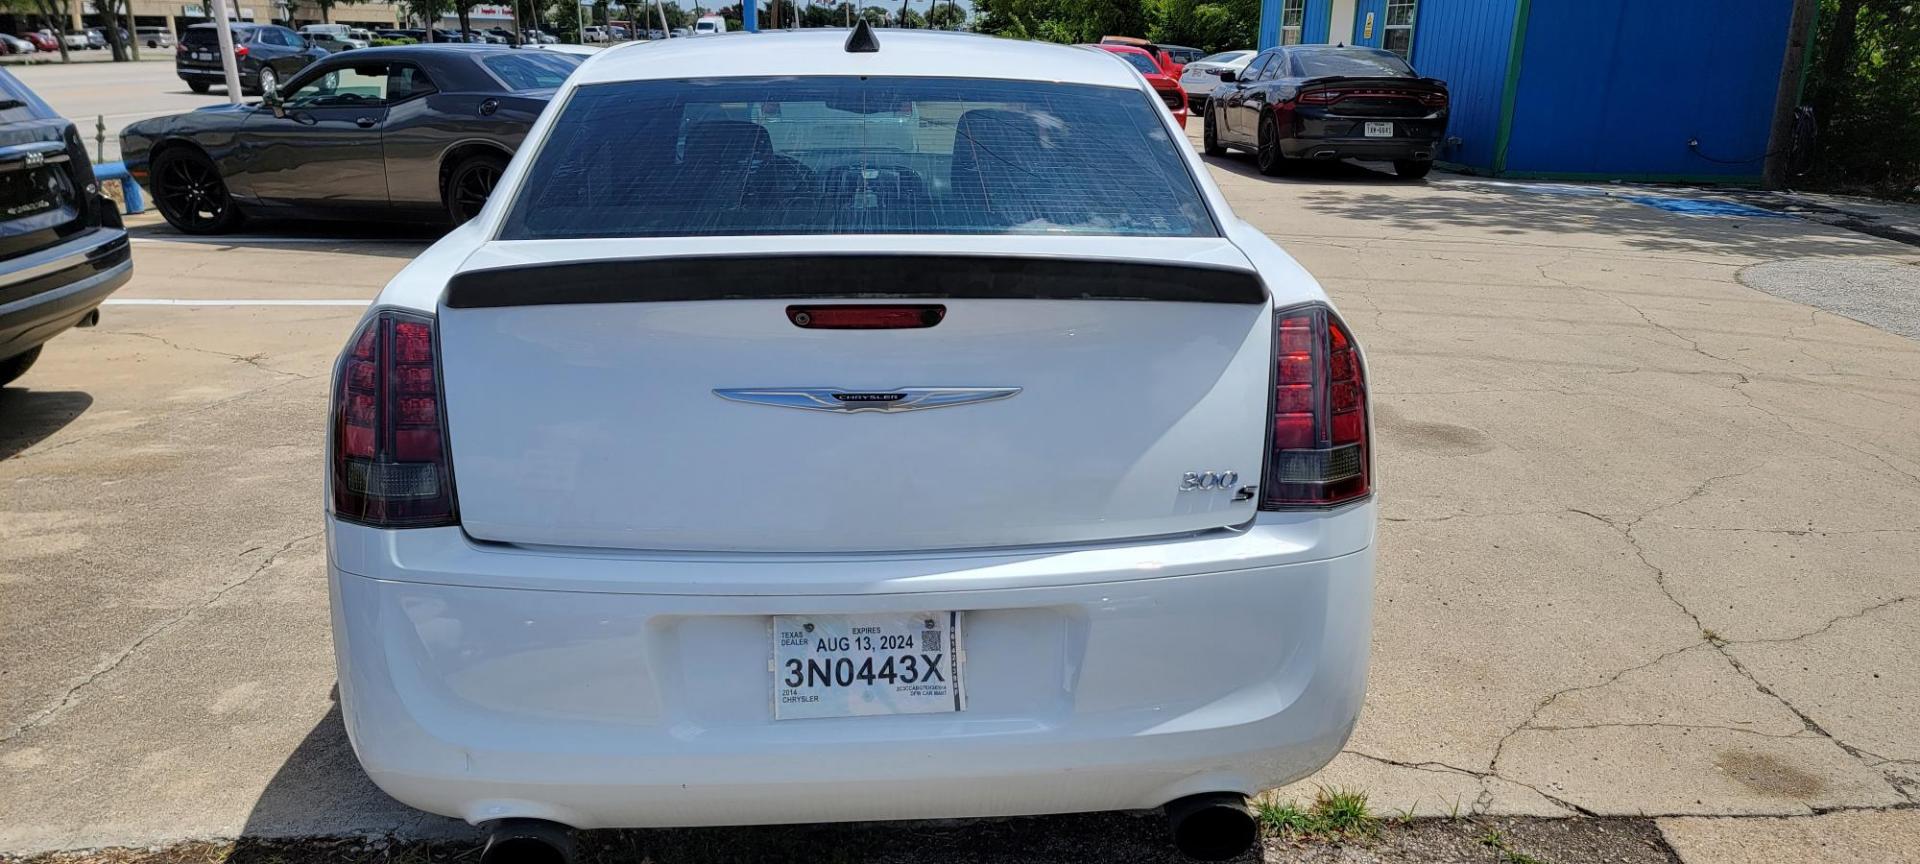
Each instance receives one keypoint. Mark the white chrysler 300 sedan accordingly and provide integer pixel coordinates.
(869, 431)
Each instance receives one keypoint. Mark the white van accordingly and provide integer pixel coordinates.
(709, 25)
(339, 30)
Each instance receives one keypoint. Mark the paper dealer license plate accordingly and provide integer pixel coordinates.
(202, 55)
(859, 665)
(1379, 130)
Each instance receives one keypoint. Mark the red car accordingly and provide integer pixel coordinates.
(41, 41)
(1168, 86)
(1159, 54)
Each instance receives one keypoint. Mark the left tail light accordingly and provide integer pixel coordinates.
(1319, 453)
(389, 435)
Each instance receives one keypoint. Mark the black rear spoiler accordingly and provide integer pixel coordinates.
(842, 276)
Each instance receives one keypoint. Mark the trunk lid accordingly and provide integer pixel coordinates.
(1383, 97)
(582, 406)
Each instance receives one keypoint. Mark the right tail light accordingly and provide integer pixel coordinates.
(1318, 453)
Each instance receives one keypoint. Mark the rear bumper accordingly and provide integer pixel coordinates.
(1359, 148)
(636, 690)
(216, 75)
(45, 292)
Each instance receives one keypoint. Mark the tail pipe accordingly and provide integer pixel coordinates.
(91, 319)
(1215, 826)
(529, 841)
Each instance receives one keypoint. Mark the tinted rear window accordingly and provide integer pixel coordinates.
(207, 36)
(847, 155)
(532, 70)
(17, 102)
(1356, 62)
(1140, 61)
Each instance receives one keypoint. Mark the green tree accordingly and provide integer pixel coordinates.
(1060, 20)
(839, 15)
(326, 8)
(426, 12)
(947, 15)
(1210, 25)
(876, 16)
(563, 21)
(53, 16)
(1864, 86)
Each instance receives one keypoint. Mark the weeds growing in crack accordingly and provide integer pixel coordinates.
(1498, 842)
(1334, 814)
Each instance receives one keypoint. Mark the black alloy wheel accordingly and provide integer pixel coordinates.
(1268, 157)
(1210, 135)
(191, 194)
(471, 184)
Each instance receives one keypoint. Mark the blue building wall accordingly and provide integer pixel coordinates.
(1467, 43)
(1605, 89)
(1314, 30)
(1617, 89)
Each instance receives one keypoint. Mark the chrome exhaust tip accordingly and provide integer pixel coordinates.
(90, 319)
(1214, 826)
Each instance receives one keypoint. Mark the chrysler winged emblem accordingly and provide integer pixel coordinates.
(845, 401)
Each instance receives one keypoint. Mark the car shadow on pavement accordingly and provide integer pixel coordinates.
(1316, 172)
(1520, 209)
(356, 238)
(322, 799)
(27, 417)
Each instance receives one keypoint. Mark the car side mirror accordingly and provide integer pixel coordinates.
(273, 100)
(1227, 76)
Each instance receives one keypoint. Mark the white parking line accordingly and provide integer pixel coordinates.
(235, 240)
(146, 301)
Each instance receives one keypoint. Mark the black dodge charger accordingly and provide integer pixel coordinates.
(62, 250)
(417, 133)
(1328, 102)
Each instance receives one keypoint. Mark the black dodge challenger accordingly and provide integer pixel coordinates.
(417, 133)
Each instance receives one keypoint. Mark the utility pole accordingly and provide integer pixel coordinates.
(228, 62)
(1786, 97)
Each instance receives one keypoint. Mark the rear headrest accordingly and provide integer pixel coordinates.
(995, 156)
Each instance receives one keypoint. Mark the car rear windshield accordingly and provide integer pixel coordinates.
(1141, 62)
(206, 36)
(1355, 62)
(851, 155)
(530, 70)
(1224, 57)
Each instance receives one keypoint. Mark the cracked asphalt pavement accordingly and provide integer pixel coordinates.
(1650, 540)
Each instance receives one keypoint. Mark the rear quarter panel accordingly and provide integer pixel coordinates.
(421, 134)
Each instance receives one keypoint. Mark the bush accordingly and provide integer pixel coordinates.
(383, 42)
(1864, 85)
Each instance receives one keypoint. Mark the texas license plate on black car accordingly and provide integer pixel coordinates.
(860, 665)
(1379, 130)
